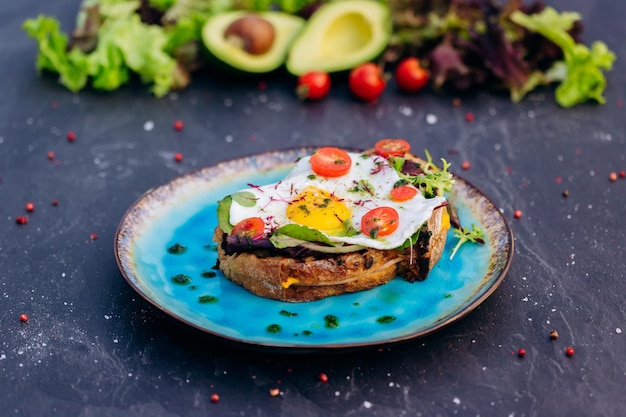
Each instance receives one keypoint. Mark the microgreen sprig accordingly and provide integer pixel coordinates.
(433, 182)
(476, 235)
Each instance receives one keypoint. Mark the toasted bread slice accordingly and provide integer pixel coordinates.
(315, 277)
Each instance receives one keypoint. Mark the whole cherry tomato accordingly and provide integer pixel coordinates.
(313, 85)
(367, 82)
(411, 76)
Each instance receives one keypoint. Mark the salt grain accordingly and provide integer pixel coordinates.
(618, 330)
(406, 111)
(431, 119)
(367, 404)
(148, 125)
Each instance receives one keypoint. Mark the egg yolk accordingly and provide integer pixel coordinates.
(319, 209)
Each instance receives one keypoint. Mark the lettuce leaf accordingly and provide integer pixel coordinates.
(581, 71)
(125, 45)
(302, 233)
(72, 67)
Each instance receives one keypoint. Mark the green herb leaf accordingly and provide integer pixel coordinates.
(363, 186)
(348, 229)
(245, 198)
(413, 239)
(476, 235)
(433, 182)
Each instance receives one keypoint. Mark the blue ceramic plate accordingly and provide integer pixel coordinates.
(165, 251)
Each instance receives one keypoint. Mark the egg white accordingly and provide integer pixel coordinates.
(273, 199)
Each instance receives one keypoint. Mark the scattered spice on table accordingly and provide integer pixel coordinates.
(178, 125)
(22, 220)
(178, 157)
(50, 155)
(521, 352)
(215, 398)
(23, 318)
(613, 176)
(569, 351)
(469, 117)
(274, 392)
(71, 136)
(517, 214)
(30, 207)
(554, 335)
(93, 236)
(323, 377)
(466, 165)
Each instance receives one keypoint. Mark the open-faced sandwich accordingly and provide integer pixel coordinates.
(338, 222)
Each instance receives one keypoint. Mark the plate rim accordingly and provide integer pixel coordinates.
(464, 311)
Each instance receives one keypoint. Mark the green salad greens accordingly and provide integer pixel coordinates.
(465, 45)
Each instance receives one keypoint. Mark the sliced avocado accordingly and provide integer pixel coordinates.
(341, 35)
(251, 42)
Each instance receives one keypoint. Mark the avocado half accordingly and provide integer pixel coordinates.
(341, 35)
(235, 57)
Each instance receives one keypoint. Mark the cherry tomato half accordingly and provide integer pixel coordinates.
(366, 82)
(331, 162)
(381, 221)
(252, 227)
(313, 85)
(392, 147)
(403, 193)
(411, 76)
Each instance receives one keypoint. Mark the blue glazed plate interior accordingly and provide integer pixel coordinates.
(165, 251)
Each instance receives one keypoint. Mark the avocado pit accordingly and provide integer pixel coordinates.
(251, 33)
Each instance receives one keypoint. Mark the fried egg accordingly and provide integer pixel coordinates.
(328, 204)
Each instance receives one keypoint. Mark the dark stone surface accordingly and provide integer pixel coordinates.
(94, 348)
